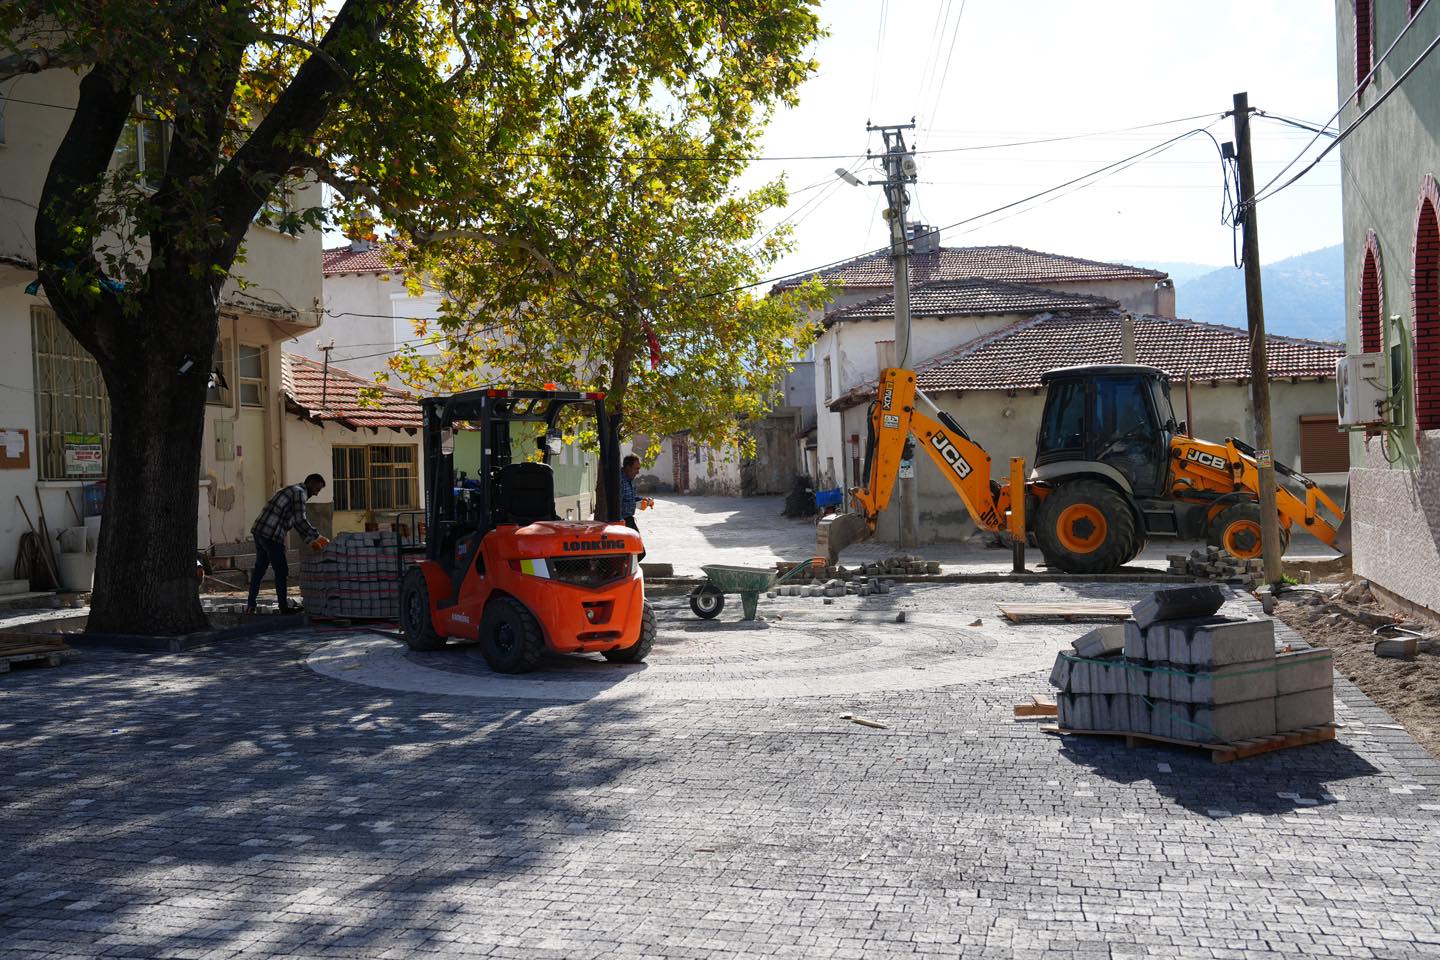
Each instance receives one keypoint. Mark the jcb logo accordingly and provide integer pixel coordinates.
(951, 455)
(1207, 459)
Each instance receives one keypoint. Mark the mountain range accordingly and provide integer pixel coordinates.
(1304, 295)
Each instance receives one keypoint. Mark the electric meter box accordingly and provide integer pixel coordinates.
(1361, 391)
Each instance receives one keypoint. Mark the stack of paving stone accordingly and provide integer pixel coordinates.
(1215, 563)
(357, 575)
(905, 565)
(1179, 671)
(835, 587)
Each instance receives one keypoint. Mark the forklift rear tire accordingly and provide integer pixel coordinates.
(706, 602)
(641, 648)
(510, 637)
(415, 620)
(1236, 530)
(1087, 527)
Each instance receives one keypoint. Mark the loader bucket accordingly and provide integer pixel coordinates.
(834, 533)
(1342, 536)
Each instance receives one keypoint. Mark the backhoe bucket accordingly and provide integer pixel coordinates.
(1342, 536)
(834, 533)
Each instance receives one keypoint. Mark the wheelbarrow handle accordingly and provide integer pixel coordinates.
(802, 565)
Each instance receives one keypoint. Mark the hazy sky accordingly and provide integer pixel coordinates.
(1045, 68)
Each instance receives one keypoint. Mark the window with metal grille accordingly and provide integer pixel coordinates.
(1364, 42)
(376, 477)
(70, 396)
(143, 144)
(1323, 448)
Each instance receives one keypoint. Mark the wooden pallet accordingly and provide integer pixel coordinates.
(1071, 611)
(29, 648)
(1219, 752)
(1037, 707)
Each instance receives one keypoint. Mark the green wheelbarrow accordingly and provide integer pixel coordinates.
(708, 599)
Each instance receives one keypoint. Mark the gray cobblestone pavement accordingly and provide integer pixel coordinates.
(690, 531)
(234, 802)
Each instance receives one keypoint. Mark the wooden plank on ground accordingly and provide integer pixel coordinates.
(1066, 610)
(1035, 710)
(1219, 752)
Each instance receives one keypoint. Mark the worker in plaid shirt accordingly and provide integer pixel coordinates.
(286, 509)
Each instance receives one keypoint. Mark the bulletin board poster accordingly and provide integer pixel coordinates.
(84, 455)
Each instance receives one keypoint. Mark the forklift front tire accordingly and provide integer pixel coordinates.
(510, 637)
(415, 620)
(641, 648)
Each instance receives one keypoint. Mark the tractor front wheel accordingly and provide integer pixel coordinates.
(1236, 530)
(641, 648)
(415, 620)
(510, 637)
(1086, 527)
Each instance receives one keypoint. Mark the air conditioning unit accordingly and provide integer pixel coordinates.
(1361, 391)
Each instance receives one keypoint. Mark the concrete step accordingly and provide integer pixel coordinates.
(8, 587)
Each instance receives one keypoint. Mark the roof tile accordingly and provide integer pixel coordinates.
(953, 298)
(307, 392)
(1011, 263)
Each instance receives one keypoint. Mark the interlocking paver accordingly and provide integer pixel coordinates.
(311, 816)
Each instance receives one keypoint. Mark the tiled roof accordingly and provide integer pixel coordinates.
(954, 298)
(308, 394)
(347, 260)
(1015, 264)
(1014, 357)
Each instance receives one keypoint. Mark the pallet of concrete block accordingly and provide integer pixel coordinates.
(356, 576)
(1178, 672)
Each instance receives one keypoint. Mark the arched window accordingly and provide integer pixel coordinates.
(1427, 308)
(1364, 41)
(1372, 296)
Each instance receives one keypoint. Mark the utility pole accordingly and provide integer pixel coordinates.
(899, 171)
(1259, 365)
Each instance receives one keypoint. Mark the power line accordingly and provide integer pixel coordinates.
(879, 49)
(1262, 194)
(934, 231)
(949, 55)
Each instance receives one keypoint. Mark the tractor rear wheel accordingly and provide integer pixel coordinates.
(1236, 530)
(415, 620)
(510, 637)
(641, 648)
(1086, 527)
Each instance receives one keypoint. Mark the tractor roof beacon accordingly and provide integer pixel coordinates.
(500, 566)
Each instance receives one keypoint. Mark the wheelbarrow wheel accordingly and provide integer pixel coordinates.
(706, 602)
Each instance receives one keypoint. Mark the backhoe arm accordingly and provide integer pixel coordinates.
(962, 461)
(1202, 465)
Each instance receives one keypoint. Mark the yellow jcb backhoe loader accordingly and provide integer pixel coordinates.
(1112, 467)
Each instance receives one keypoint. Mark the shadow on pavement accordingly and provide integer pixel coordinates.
(1269, 785)
(179, 805)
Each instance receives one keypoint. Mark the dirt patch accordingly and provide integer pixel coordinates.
(1408, 690)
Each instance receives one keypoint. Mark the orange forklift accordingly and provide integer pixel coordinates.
(500, 566)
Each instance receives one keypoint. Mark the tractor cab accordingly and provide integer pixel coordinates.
(501, 566)
(1115, 418)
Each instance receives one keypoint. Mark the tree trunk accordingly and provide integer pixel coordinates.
(145, 580)
(615, 404)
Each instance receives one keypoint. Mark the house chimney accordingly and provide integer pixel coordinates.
(924, 238)
(358, 245)
(1127, 338)
(1165, 298)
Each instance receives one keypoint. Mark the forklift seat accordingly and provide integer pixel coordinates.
(525, 494)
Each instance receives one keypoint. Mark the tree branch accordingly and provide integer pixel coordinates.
(34, 61)
(314, 48)
(74, 181)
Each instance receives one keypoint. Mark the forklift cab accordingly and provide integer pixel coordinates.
(463, 502)
(1116, 415)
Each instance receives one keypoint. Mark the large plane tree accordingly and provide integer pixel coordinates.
(420, 110)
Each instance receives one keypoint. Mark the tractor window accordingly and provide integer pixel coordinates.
(1125, 433)
(1063, 427)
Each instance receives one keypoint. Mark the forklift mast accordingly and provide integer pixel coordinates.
(448, 504)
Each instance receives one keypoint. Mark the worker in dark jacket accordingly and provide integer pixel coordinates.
(630, 501)
(286, 510)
